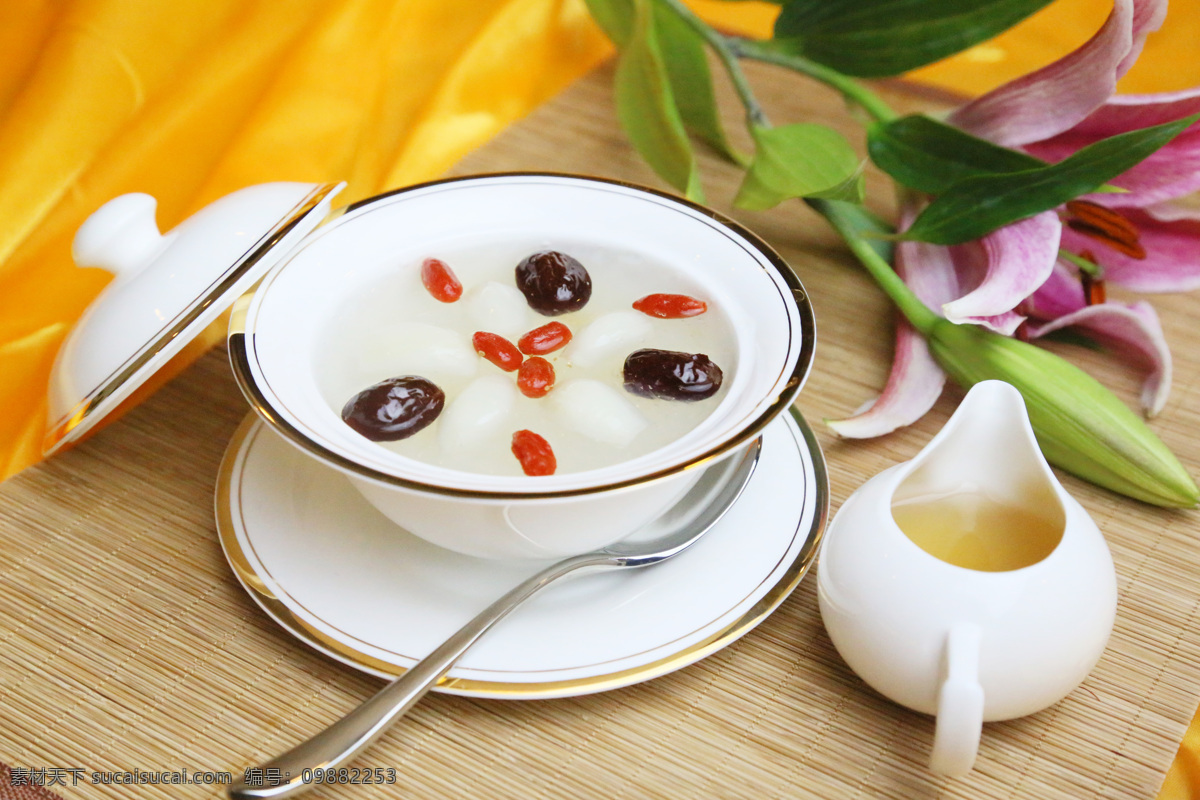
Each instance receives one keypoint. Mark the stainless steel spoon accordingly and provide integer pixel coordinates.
(672, 533)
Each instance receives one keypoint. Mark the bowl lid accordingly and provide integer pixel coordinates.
(167, 289)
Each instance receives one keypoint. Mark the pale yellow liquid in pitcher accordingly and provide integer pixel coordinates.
(972, 530)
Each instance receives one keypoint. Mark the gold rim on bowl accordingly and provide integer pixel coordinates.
(241, 348)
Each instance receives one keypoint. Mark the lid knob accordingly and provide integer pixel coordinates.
(121, 236)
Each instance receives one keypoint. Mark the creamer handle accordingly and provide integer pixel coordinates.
(960, 704)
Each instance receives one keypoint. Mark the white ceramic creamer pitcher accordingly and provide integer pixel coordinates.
(967, 583)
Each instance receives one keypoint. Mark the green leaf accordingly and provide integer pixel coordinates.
(979, 205)
(931, 156)
(691, 81)
(647, 110)
(801, 160)
(879, 38)
(615, 18)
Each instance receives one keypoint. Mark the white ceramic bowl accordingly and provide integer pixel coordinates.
(274, 341)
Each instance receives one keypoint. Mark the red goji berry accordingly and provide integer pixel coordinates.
(670, 306)
(440, 280)
(534, 453)
(546, 339)
(498, 350)
(536, 377)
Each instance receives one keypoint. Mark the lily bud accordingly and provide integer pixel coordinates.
(1081, 426)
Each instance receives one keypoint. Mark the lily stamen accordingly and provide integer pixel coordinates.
(1094, 292)
(1105, 225)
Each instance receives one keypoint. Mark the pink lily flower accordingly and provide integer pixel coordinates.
(1013, 280)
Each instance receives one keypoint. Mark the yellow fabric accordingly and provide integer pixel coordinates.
(1168, 62)
(1183, 779)
(191, 99)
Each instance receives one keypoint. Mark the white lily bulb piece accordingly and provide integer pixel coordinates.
(430, 351)
(477, 413)
(614, 334)
(598, 411)
(497, 308)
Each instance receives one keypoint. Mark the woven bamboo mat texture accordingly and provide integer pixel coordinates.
(126, 643)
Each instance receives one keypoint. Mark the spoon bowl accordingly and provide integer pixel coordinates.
(681, 526)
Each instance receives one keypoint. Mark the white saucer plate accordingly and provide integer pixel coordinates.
(341, 577)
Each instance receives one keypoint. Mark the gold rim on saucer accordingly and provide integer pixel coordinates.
(340, 651)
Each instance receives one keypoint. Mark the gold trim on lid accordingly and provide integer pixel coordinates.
(130, 374)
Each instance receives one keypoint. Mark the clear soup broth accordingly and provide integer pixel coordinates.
(975, 531)
(372, 338)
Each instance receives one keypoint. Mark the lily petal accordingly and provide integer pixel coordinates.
(914, 385)
(1128, 112)
(1005, 324)
(916, 380)
(1171, 172)
(1053, 99)
(1060, 295)
(1172, 262)
(929, 270)
(1132, 331)
(1147, 18)
(1180, 208)
(1017, 259)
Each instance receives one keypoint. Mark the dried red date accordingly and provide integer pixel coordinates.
(670, 306)
(546, 339)
(534, 453)
(536, 377)
(671, 375)
(498, 350)
(440, 280)
(553, 283)
(395, 408)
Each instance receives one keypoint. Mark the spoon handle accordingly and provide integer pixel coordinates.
(354, 732)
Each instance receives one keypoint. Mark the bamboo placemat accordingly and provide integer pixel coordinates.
(126, 643)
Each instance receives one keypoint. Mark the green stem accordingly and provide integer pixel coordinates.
(851, 89)
(915, 311)
(1090, 267)
(755, 115)
(729, 49)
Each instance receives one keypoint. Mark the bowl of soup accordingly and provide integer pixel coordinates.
(523, 365)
